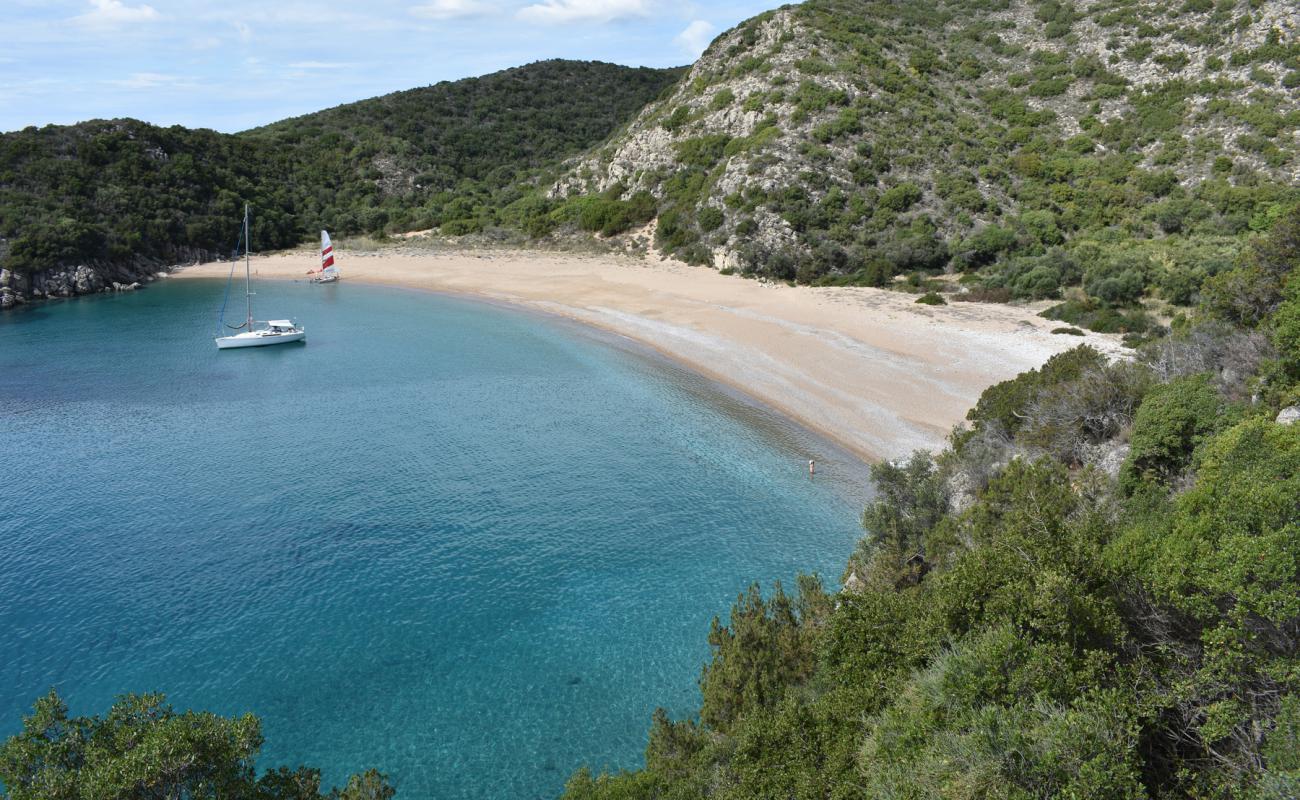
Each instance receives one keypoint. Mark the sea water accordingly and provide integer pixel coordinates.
(471, 546)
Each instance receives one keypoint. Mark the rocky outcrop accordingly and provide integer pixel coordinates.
(18, 288)
(1108, 457)
(1289, 415)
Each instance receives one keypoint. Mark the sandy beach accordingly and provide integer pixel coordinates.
(869, 368)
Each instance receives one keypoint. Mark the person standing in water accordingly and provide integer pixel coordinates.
(812, 468)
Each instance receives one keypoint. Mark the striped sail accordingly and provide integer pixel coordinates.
(326, 253)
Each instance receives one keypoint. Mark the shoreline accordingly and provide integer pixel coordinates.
(868, 369)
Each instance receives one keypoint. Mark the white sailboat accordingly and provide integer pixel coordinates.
(328, 273)
(276, 331)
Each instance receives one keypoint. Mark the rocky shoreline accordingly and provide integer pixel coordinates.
(18, 288)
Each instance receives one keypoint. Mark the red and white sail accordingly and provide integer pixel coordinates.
(328, 272)
(326, 253)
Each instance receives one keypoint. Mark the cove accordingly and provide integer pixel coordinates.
(470, 546)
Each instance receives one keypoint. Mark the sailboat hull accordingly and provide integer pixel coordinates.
(259, 339)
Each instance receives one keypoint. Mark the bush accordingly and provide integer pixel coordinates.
(917, 248)
(1002, 404)
(676, 120)
(1120, 279)
(932, 299)
(703, 152)
(462, 227)
(1038, 277)
(710, 218)
(609, 217)
(900, 197)
(1171, 422)
(1099, 317)
(1066, 419)
(911, 498)
(985, 245)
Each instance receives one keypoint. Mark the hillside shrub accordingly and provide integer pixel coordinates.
(1171, 422)
(900, 197)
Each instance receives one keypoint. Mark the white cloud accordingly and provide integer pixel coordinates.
(561, 11)
(696, 38)
(115, 12)
(453, 9)
(245, 32)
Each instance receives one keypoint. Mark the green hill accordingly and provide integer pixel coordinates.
(416, 159)
(1121, 145)
(125, 195)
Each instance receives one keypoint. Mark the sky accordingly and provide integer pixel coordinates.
(238, 64)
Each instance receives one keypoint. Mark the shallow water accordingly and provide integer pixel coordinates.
(468, 545)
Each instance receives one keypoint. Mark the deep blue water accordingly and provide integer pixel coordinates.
(468, 545)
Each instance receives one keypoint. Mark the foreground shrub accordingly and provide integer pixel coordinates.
(144, 749)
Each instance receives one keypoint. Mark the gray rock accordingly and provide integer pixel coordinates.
(961, 491)
(86, 280)
(1108, 457)
(7, 298)
(1289, 415)
(853, 584)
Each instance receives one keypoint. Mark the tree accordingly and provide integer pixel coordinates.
(911, 498)
(763, 650)
(143, 750)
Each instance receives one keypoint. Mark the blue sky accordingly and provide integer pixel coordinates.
(242, 63)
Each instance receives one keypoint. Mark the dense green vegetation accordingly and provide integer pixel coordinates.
(123, 190)
(464, 155)
(1093, 592)
(1029, 144)
(142, 749)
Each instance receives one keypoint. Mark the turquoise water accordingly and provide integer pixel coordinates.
(468, 545)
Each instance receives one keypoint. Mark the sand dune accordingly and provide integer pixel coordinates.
(869, 368)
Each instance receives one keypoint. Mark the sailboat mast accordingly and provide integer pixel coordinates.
(248, 272)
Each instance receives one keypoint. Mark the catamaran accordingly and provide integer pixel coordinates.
(276, 331)
(328, 273)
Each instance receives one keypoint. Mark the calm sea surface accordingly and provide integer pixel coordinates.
(467, 545)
